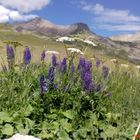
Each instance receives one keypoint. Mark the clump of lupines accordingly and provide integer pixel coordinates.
(10, 56)
(105, 71)
(81, 63)
(10, 53)
(86, 74)
(50, 78)
(63, 66)
(43, 85)
(43, 55)
(51, 74)
(54, 60)
(27, 56)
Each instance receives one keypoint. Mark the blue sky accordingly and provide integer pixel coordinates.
(104, 17)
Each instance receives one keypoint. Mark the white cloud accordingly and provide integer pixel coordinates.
(112, 19)
(7, 15)
(4, 19)
(25, 5)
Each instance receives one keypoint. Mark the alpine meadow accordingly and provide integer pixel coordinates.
(63, 81)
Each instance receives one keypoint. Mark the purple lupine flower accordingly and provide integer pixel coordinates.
(98, 63)
(85, 68)
(81, 62)
(54, 60)
(27, 56)
(91, 87)
(51, 74)
(63, 65)
(43, 55)
(87, 79)
(86, 74)
(55, 86)
(43, 85)
(88, 66)
(105, 71)
(10, 53)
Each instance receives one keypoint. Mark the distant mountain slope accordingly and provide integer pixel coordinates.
(44, 27)
(47, 28)
(127, 37)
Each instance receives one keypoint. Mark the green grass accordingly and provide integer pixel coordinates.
(72, 114)
(68, 115)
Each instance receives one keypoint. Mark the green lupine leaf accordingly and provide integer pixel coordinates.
(4, 117)
(7, 129)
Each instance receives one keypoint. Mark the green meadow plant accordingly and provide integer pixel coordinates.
(67, 100)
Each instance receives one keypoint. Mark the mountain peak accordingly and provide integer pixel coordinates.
(36, 19)
(46, 27)
(82, 26)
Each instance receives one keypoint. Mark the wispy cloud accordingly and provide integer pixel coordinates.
(8, 15)
(19, 10)
(112, 19)
(25, 6)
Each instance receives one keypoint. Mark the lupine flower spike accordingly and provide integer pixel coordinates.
(63, 66)
(43, 85)
(10, 56)
(43, 55)
(27, 56)
(54, 60)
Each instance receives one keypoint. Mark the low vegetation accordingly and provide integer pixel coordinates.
(71, 99)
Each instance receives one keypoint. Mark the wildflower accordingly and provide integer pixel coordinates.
(74, 50)
(54, 60)
(115, 61)
(88, 66)
(27, 56)
(87, 79)
(43, 55)
(90, 42)
(124, 65)
(51, 75)
(55, 86)
(52, 52)
(63, 66)
(105, 71)
(98, 62)
(10, 56)
(81, 63)
(91, 87)
(10, 53)
(65, 38)
(43, 85)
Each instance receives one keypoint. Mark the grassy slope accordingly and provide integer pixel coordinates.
(38, 43)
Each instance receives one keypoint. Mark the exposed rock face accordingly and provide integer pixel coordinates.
(47, 28)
